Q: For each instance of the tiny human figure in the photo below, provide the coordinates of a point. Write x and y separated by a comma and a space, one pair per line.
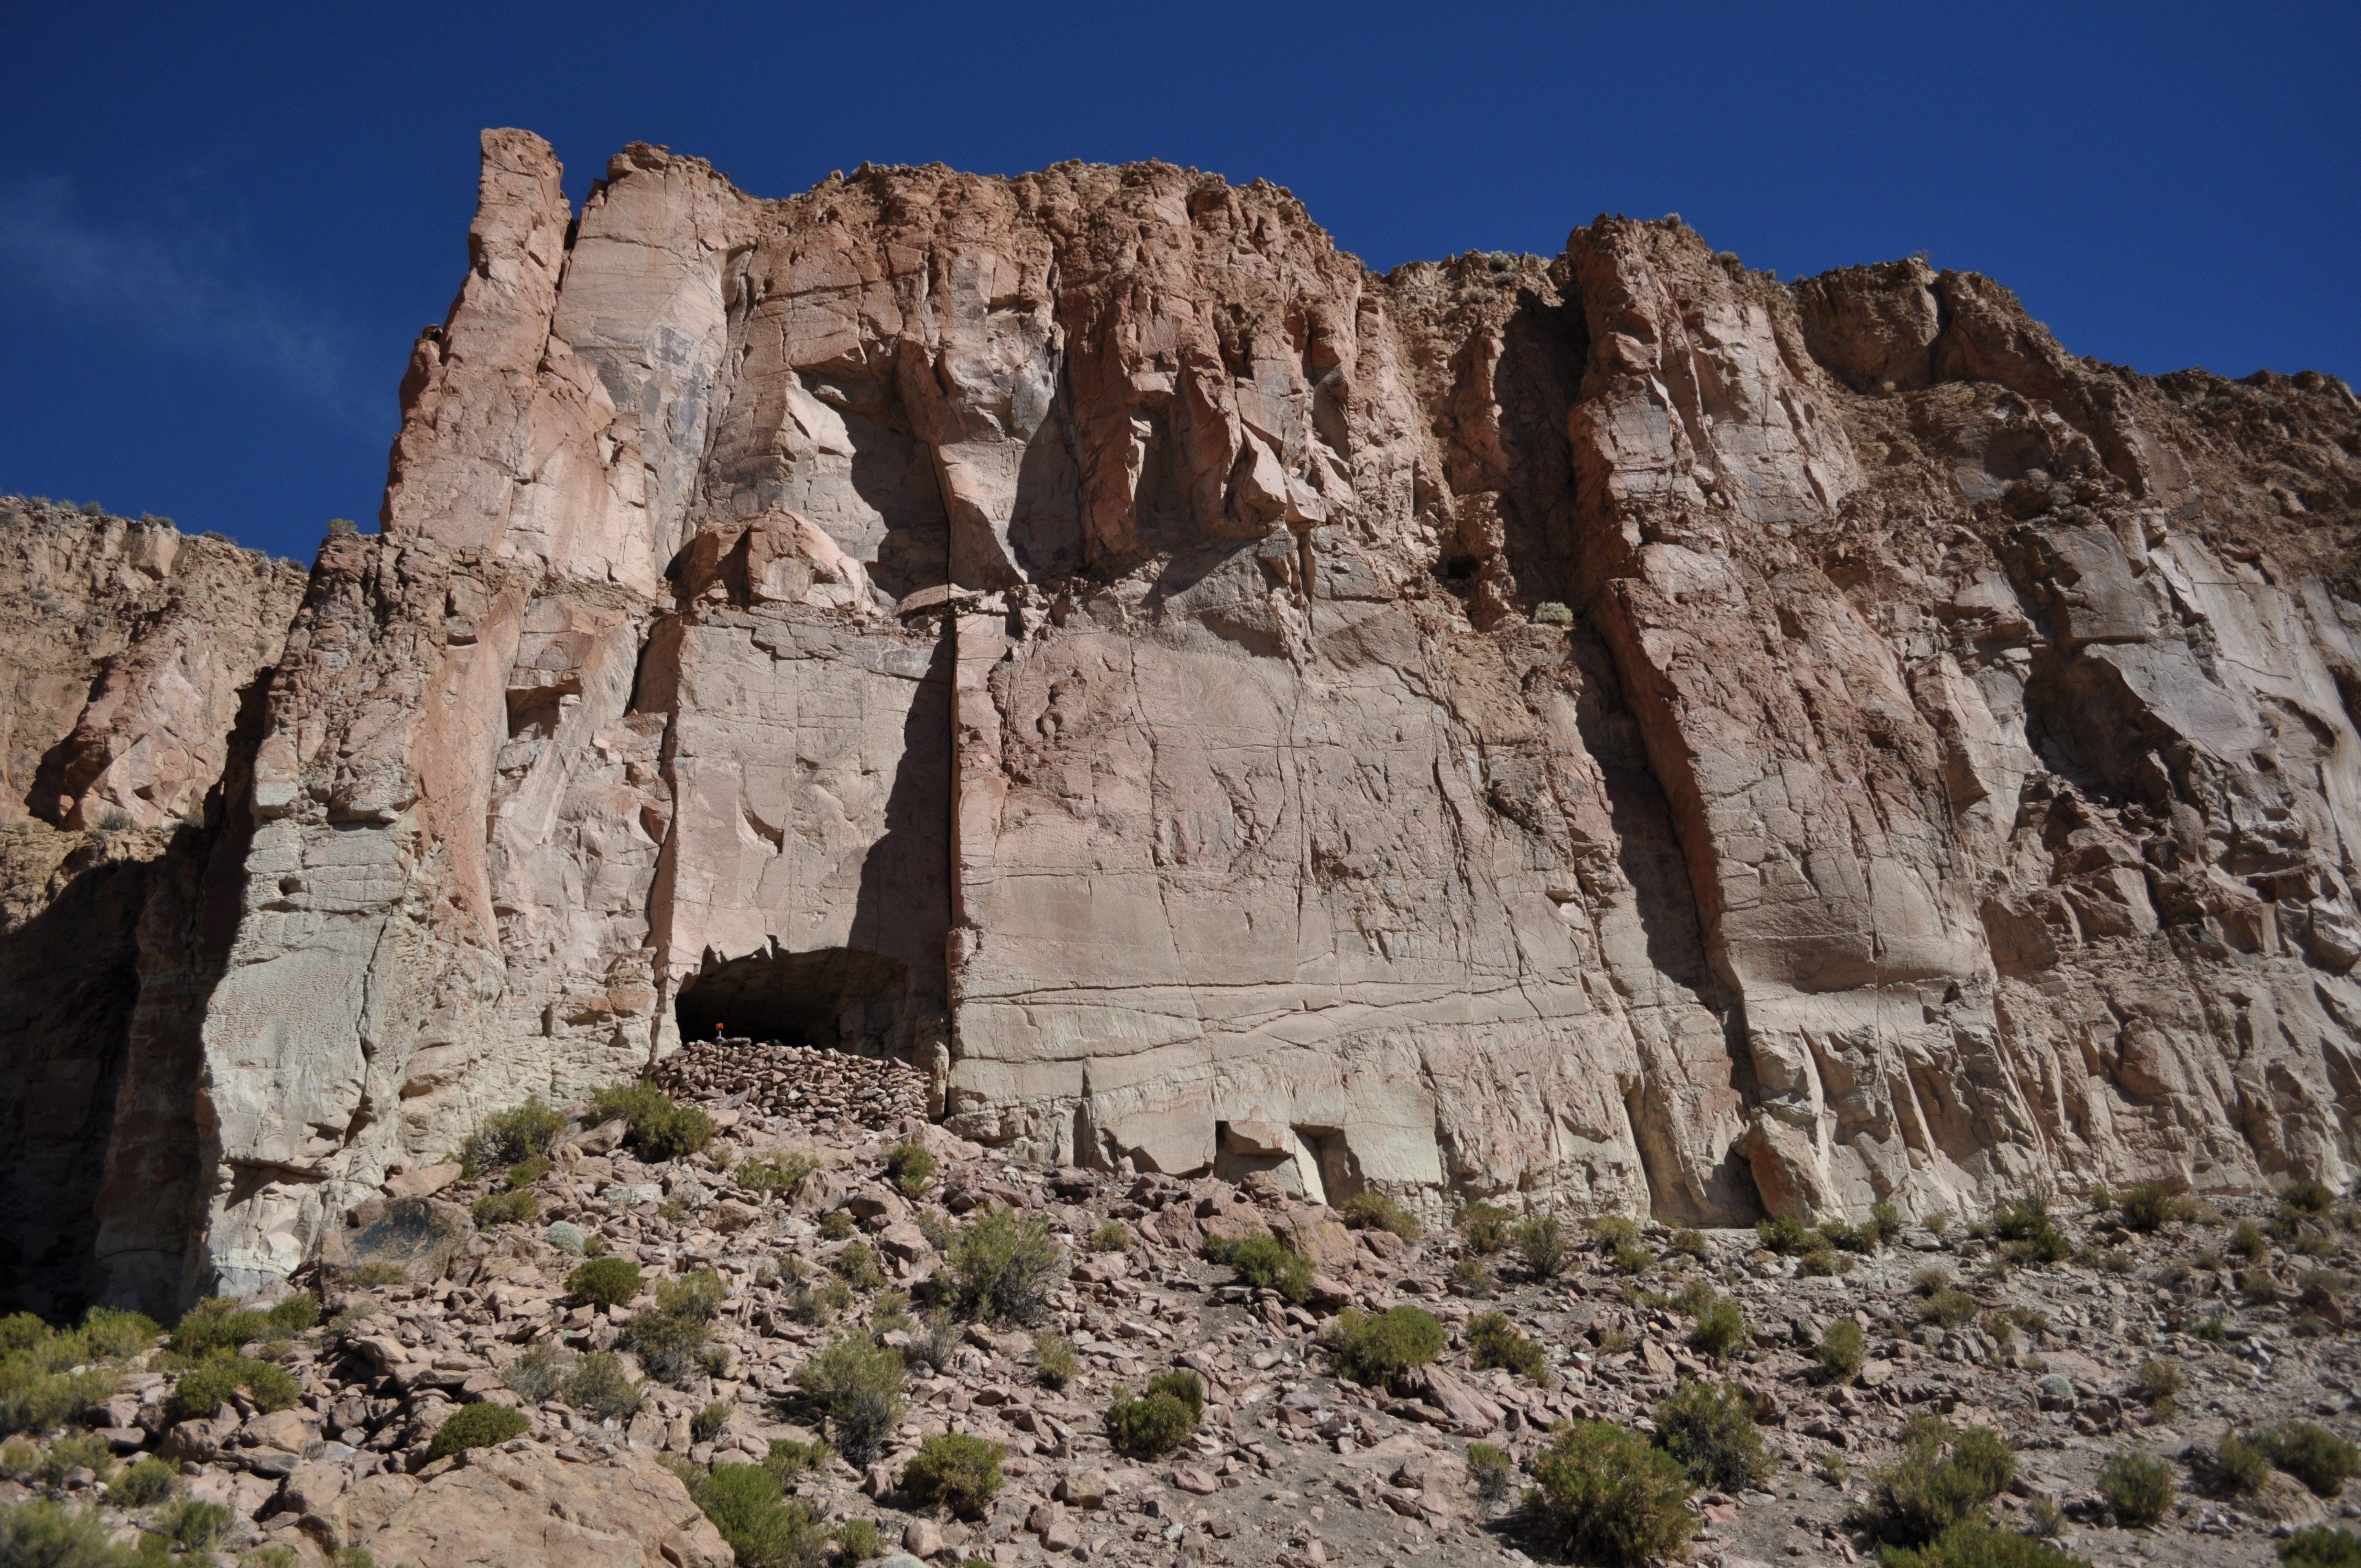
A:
716, 1028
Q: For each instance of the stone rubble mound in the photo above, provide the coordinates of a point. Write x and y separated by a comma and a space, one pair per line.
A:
804, 1085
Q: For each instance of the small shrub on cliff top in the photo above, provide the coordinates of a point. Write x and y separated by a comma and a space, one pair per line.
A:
1604, 1496
1378, 1348
1783, 1235
1540, 1241
1376, 1212
2149, 1206
511, 1136
484, 1425
1265, 1263
656, 1127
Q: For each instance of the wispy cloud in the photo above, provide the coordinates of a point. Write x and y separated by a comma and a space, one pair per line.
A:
182, 287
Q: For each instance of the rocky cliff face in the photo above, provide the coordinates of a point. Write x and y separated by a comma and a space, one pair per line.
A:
1619, 730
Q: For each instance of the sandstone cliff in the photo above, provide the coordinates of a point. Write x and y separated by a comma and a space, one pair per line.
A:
1619, 729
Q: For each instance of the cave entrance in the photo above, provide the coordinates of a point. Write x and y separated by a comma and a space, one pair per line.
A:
843, 997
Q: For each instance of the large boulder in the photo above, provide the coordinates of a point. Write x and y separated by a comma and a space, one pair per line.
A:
523, 1508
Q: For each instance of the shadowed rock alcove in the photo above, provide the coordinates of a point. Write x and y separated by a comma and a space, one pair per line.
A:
843, 997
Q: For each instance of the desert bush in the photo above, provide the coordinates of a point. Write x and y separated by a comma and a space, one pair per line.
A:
1493, 1340
144, 1481
1485, 1227
1160, 1420
1541, 1244
1266, 1263
2137, 1487
1841, 1350
1489, 1473
2318, 1546
77, 1450
1113, 1236
1470, 1277
1612, 1230
1928, 1281
33, 1398
2149, 1206
2231, 1468
1720, 1327
193, 1526
525, 1172
1005, 1265
1376, 1212
790, 1459
605, 1281
2259, 1289
1053, 1360
42, 1534
1378, 1348
1975, 1545
765, 1527
2307, 1199
2249, 1242
1602, 1495
1783, 1235
482, 1425
774, 1176
537, 1373
2157, 1384
1689, 1243
2323, 1460
507, 1137
861, 1386
111, 1333
2027, 1232
935, 1343
1948, 1308
1821, 1260
506, 1209
1711, 1432
858, 1267
218, 1323
1940, 1480
601, 1389
670, 1345
710, 1421
212, 1381
655, 1126
858, 1541
835, 1225
911, 1168
1862, 1240
960, 1472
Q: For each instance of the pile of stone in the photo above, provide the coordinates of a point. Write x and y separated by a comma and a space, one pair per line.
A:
808, 1085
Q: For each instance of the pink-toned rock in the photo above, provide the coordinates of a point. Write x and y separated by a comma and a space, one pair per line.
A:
423, 1183
529, 1509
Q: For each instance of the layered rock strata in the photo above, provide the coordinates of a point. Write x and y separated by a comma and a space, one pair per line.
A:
1619, 729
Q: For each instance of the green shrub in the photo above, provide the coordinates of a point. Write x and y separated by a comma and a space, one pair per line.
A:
1632, 1258
605, 1281
42, 1534
835, 1225
1940, 1480
697, 1295
1485, 1227
507, 1209
1377, 1348
1783, 1235
217, 1324
2149, 1206
765, 1527
670, 1345
2259, 1289
1841, 1350
1541, 1243
1886, 1221
1821, 1260
1720, 1327
2317, 1546
1005, 1265
482, 1425
2137, 1487
1862, 1240
2307, 1199
858, 1541
525, 1172
1493, 1340
1113, 1236
911, 1167
960, 1472
212, 1381
1690, 1244
1470, 1277
1949, 1308
1612, 1230
2027, 1232
2249, 1242
1376, 1212
656, 1127
1981, 1546
1053, 1359
2157, 1384
1182, 1385
859, 1384
113, 1334
537, 1373
2323, 1460
77, 1450
601, 1389
1490, 1472
1267, 1264
774, 1176
710, 1423
1711, 1432
1603, 1495
34, 1398
527, 1131
790, 1459
193, 1526
2232, 1468
1150, 1426
144, 1481
858, 1267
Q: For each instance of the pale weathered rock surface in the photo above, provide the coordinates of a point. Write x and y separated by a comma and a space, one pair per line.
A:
1619, 730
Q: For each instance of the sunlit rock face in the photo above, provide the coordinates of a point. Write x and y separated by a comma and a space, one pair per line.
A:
1617, 730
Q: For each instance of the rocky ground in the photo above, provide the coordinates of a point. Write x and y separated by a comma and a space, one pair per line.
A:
1292, 1466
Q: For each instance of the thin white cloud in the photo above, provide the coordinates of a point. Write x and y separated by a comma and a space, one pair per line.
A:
178, 286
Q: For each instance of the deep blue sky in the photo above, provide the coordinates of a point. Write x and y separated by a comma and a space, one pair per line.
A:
220, 227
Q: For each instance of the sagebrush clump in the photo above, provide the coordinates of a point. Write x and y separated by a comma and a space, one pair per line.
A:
656, 1126
1005, 1265
960, 1472
1603, 1495
1379, 1348
1162, 1418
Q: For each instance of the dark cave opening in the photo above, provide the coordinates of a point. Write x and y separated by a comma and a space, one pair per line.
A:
843, 997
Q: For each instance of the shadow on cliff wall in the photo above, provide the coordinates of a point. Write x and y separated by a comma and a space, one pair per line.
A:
903, 907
